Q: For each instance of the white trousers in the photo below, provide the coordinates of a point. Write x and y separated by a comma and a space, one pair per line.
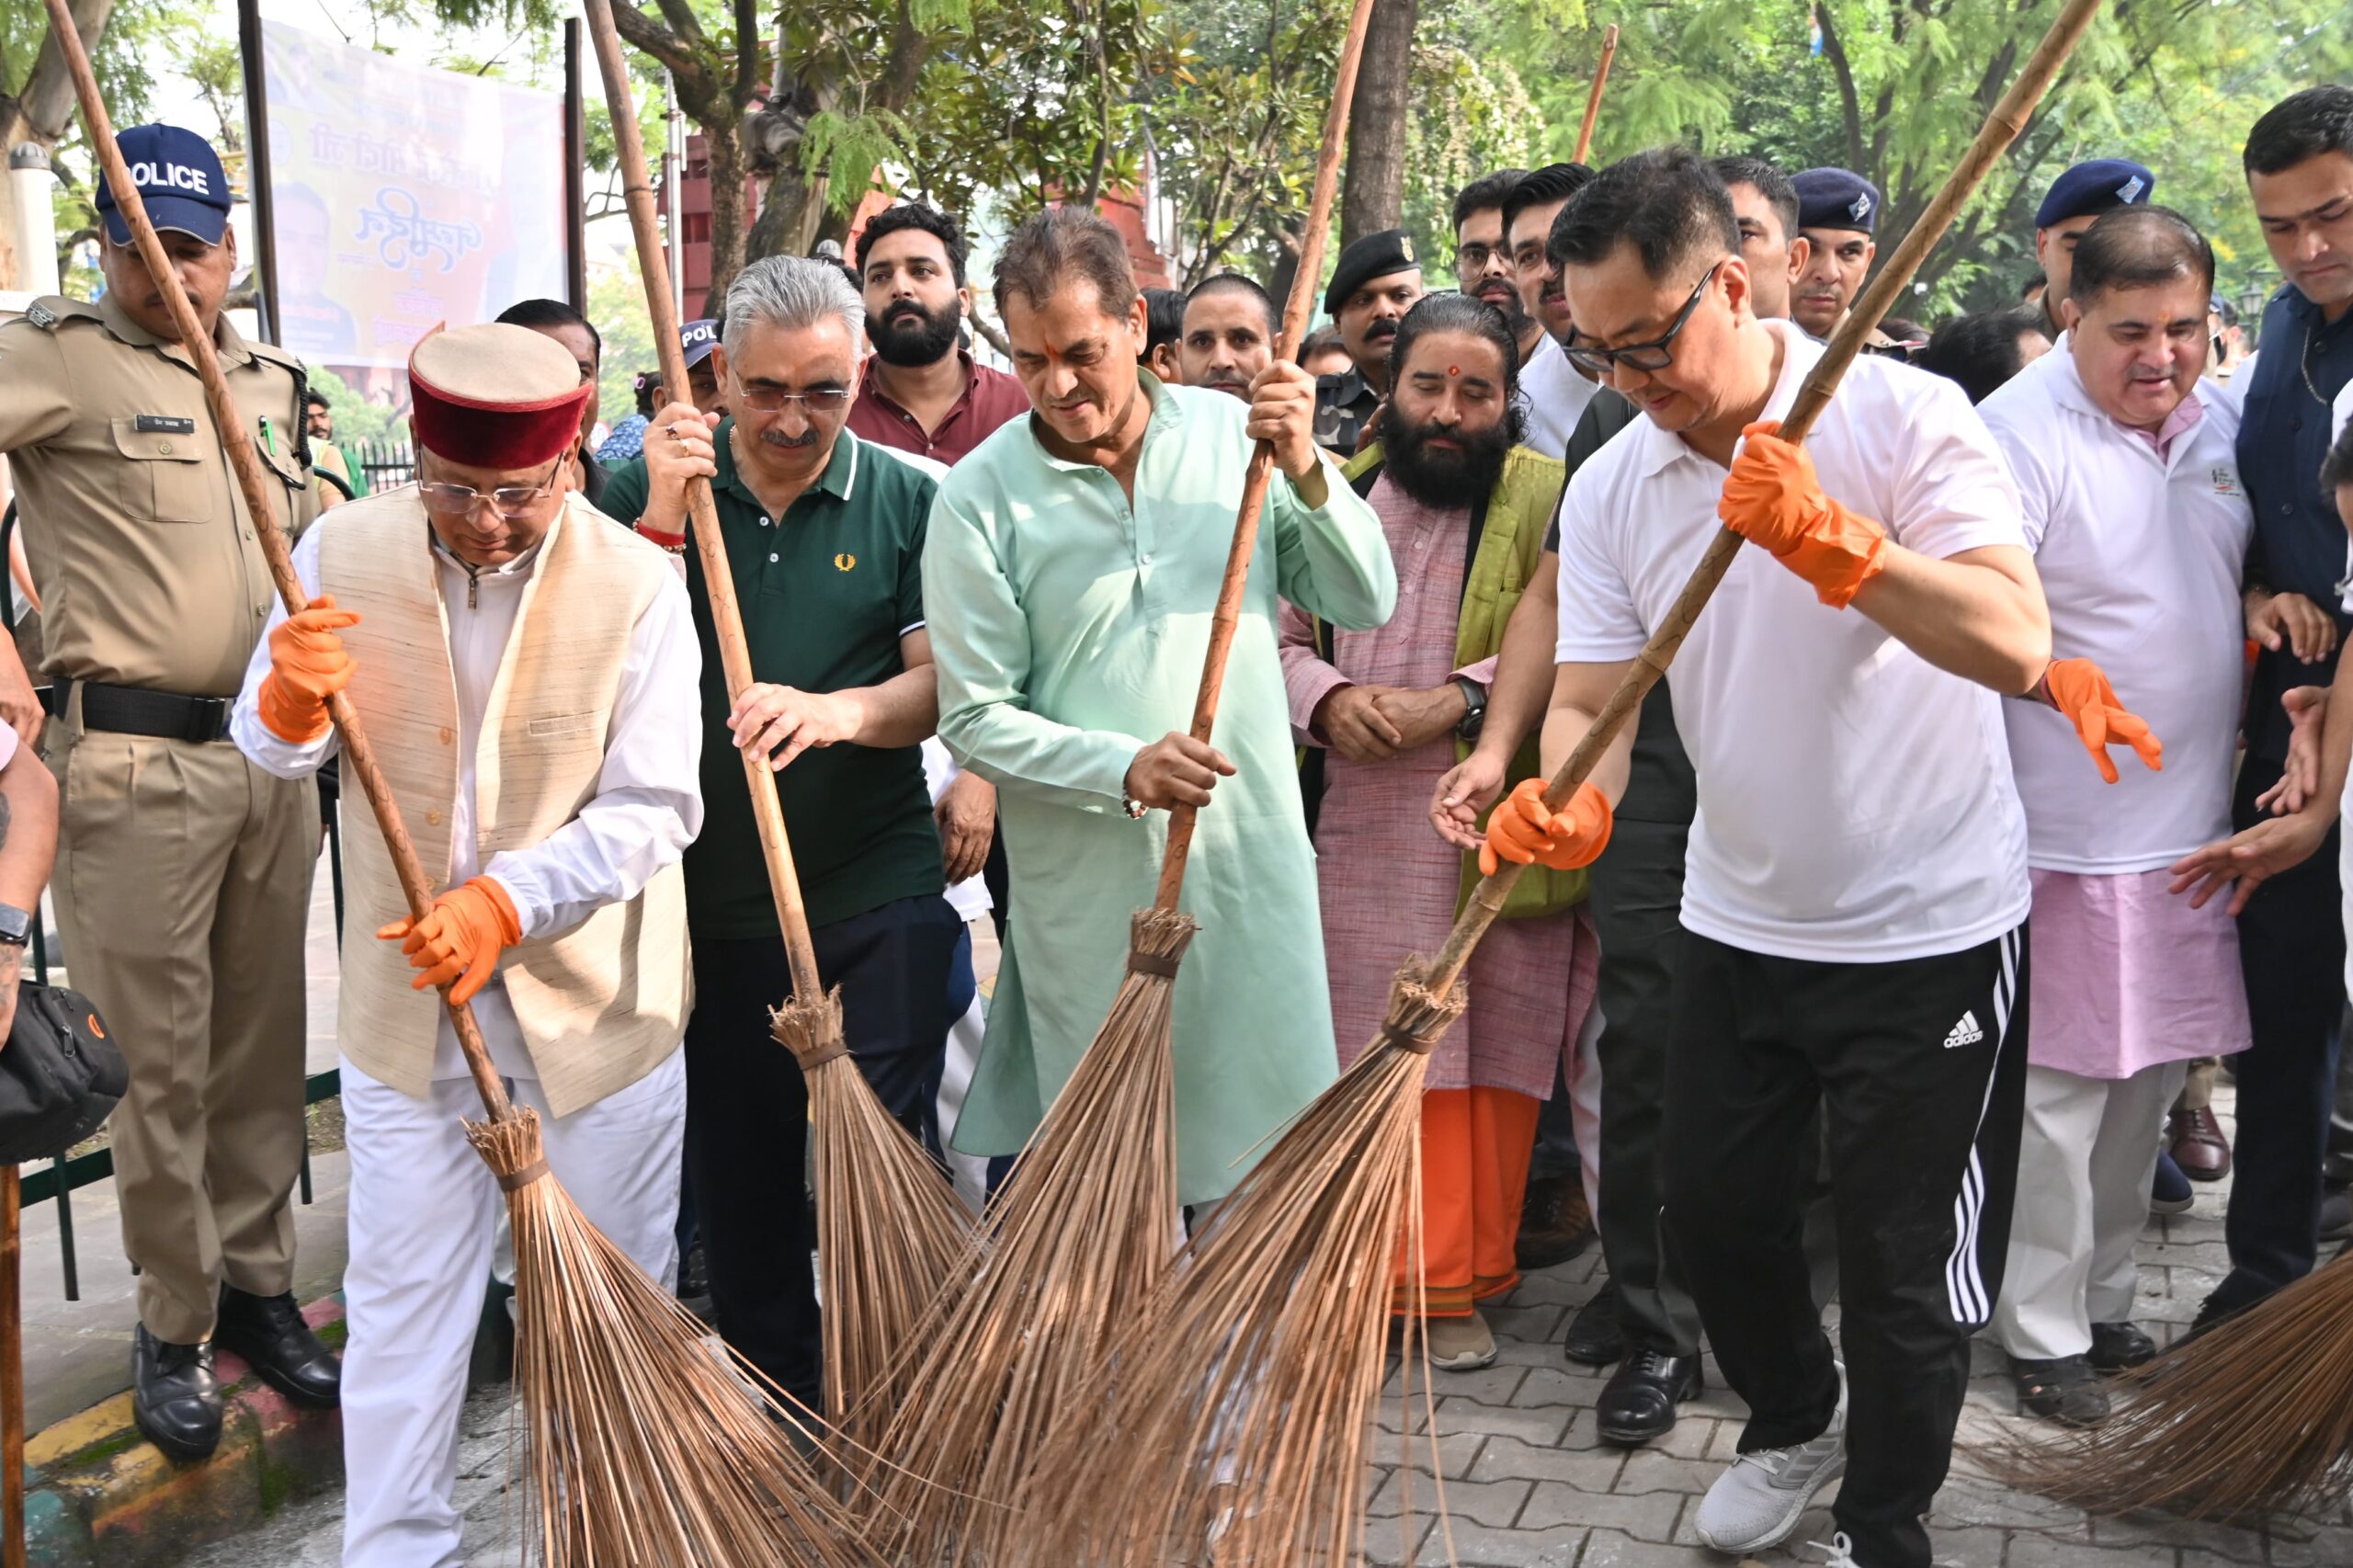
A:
2085, 1157
969, 1171
424, 1210
1584, 1082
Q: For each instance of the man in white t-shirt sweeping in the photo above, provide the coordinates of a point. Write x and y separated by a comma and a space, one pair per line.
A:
1855, 897
2129, 477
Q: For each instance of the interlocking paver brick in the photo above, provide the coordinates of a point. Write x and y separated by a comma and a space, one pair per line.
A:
2032, 1551
1588, 1470
1650, 1516
1494, 1502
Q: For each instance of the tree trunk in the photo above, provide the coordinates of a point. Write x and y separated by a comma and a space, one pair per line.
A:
1374, 199
44, 113
729, 221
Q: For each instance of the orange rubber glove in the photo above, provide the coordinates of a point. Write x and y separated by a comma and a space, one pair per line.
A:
1521, 829
1773, 499
307, 664
2079, 688
457, 942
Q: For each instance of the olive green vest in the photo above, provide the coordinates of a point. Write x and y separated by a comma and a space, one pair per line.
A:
1519, 513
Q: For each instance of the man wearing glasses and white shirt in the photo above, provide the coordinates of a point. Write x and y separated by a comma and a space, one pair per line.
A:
825, 534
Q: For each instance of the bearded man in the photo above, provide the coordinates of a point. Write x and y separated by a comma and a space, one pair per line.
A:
921, 393
1464, 507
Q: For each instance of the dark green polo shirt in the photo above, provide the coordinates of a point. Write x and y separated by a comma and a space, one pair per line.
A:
826, 591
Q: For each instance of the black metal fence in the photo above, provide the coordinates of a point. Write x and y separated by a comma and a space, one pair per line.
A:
385, 465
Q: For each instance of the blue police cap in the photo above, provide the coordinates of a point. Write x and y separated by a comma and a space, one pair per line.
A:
2089, 189
178, 175
1837, 198
697, 339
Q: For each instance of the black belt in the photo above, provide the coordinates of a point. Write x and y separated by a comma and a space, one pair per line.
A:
135, 711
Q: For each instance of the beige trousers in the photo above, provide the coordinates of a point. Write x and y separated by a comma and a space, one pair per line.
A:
182, 888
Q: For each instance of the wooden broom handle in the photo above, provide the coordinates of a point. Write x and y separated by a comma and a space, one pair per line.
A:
710, 546
1260, 473
2001, 128
1593, 98
359, 756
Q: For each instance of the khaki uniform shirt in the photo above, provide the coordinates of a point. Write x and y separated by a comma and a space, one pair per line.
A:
149, 570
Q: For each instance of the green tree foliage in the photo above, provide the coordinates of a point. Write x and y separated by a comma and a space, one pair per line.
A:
1899, 87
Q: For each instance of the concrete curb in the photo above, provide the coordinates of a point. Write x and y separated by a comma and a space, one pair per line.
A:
98, 1493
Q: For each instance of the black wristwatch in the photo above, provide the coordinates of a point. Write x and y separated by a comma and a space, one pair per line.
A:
1475, 709
15, 925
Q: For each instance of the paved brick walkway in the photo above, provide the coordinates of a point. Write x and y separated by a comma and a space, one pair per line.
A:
1529, 1484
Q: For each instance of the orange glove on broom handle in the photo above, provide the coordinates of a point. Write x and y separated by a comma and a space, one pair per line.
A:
1524, 829
1772, 498
307, 665
2079, 688
457, 942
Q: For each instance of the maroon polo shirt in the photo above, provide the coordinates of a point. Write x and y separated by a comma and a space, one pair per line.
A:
991, 398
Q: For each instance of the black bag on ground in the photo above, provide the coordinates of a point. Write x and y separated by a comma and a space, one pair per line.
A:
60, 1075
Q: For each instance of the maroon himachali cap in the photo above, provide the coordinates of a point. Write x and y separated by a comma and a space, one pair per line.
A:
495, 396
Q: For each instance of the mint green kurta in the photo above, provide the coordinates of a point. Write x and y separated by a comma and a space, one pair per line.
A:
1069, 630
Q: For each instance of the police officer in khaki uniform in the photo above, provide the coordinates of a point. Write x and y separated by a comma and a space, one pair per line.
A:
183, 874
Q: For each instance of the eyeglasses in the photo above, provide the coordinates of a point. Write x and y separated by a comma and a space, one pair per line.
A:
1473, 257
509, 501
769, 399
1654, 356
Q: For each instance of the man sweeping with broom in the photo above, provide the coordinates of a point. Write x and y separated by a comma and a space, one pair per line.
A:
1854, 911
528, 675
1070, 570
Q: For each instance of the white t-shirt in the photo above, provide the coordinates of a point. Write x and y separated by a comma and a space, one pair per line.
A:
2140, 557
1855, 802
1557, 397
970, 897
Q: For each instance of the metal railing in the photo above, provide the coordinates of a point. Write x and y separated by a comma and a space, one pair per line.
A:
387, 465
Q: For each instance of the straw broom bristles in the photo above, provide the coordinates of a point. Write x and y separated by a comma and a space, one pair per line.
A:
2253, 1417
1252, 1379
892, 1236
1068, 1252
649, 1445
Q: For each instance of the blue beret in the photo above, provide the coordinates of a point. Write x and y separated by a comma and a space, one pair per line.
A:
2088, 190
1837, 198
1367, 257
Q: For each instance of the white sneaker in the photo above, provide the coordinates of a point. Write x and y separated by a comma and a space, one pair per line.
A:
1759, 1500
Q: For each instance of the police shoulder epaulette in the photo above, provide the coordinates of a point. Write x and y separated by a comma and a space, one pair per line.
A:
50, 310
276, 355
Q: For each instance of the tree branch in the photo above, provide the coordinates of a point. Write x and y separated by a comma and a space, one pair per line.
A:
1851, 103
747, 51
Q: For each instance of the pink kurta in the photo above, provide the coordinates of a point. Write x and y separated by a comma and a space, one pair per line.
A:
1388, 881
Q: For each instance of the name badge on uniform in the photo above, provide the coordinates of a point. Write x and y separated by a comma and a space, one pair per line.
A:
164, 425
2226, 481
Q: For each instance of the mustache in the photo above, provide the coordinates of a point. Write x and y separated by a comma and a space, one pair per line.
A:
1225, 379
905, 310
779, 438
1380, 330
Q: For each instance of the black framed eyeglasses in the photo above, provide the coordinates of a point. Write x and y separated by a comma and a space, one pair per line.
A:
769, 399
1656, 355
1474, 256
509, 501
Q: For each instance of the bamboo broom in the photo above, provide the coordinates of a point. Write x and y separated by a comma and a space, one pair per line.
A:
892, 1233
2252, 1418
1593, 98
1238, 1401
1088, 1224
646, 1447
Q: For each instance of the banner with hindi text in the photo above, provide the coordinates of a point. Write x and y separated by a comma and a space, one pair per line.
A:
403, 197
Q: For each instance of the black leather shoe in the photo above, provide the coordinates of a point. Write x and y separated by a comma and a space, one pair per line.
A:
269, 1333
2064, 1389
1595, 1337
2120, 1348
1554, 1223
173, 1396
1638, 1402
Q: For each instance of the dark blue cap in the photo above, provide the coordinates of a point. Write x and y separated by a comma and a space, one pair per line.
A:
697, 339
2089, 189
1367, 257
178, 177
1837, 198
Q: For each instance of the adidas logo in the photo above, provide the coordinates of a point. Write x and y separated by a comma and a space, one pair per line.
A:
1965, 1032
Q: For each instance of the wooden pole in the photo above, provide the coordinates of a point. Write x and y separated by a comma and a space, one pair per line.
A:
2001, 128
1593, 98
710, 546
1297, 309
12, 1375
359, 756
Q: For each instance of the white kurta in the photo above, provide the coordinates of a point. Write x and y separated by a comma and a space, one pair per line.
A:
424, 1207
1557, 397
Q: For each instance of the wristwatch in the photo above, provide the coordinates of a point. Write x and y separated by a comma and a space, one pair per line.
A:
1475, 709
15, 925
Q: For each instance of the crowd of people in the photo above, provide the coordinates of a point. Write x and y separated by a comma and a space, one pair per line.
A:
2019, 712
